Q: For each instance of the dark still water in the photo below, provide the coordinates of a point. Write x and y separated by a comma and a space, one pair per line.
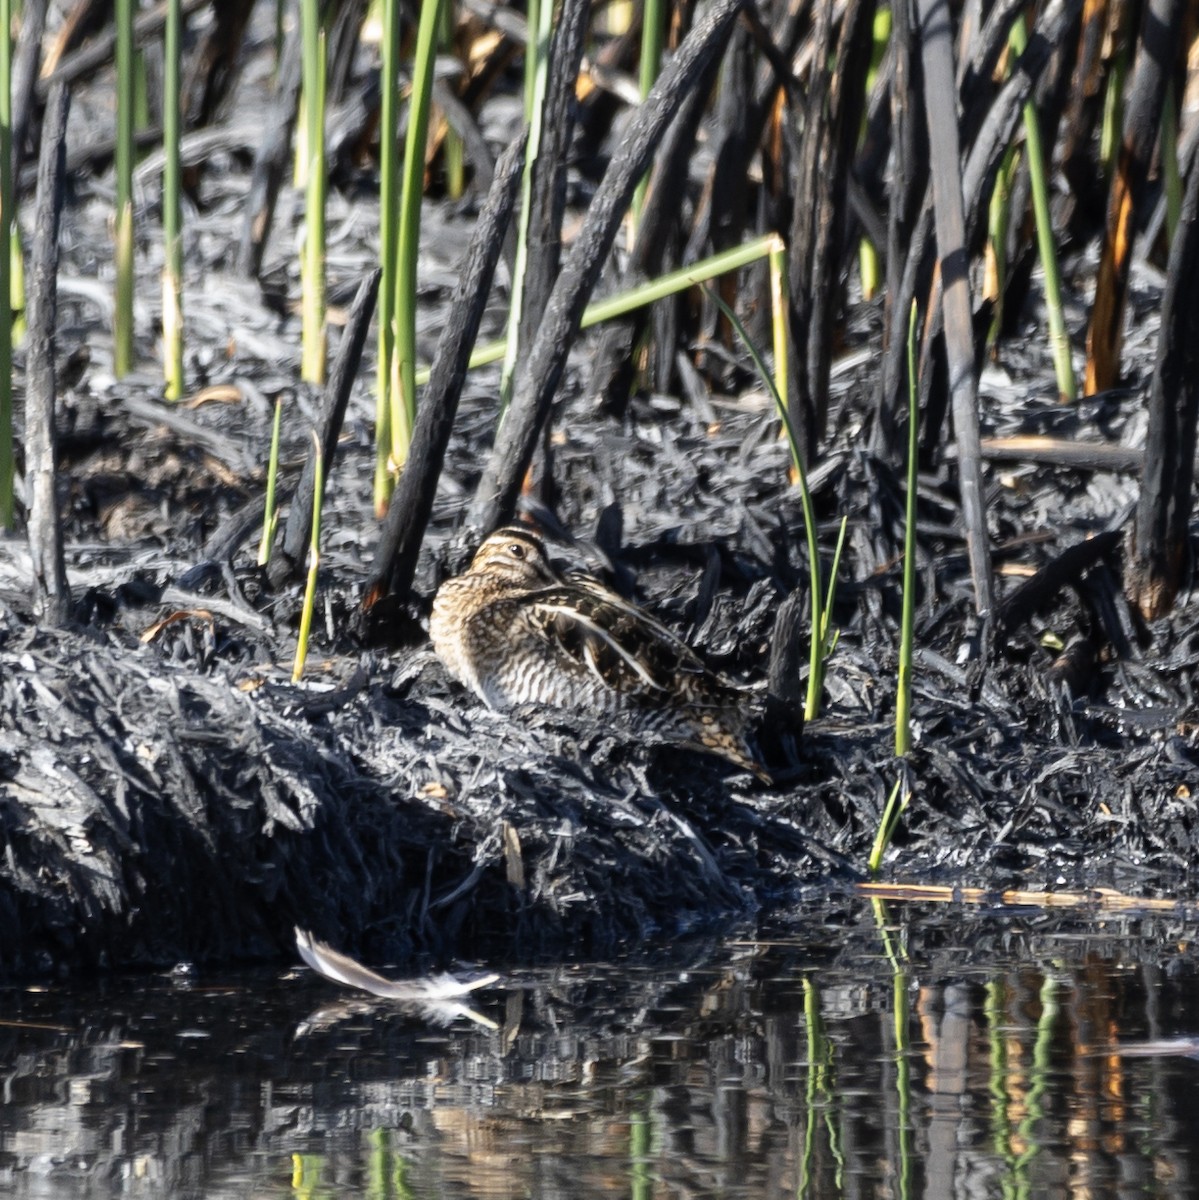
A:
934, 1053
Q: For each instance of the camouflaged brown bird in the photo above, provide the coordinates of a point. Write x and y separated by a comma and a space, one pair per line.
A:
515, 632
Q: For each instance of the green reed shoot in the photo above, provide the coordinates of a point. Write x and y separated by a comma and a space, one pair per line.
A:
16, 282
312, 269
1039, 1074
779, 326
122, 353
537, 62
141, 91
307, 1171
903, 697
1113, 110
641, 1150
270, 516
998, 1032
402, 376
816, 1052
452, 147
895, 806
653, 29
823, 639
999, 215
829, 635
299, 170
172, 207
1059, 337
888, 823
16, 286
869, 264
901, 1024
7, 225
819, 1090
388, 1169
389, 205
314, 560
645, 293
16, 279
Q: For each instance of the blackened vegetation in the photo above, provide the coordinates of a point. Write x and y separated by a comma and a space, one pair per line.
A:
412, 502
538, 378
166, 792
288, 557
51, 592
1158, 541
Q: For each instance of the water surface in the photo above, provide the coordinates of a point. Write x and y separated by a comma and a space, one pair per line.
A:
934, 1053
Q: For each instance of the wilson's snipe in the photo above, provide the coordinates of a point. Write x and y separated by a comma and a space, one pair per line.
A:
516, 632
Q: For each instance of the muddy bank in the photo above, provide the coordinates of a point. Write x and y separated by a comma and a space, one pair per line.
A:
154, 814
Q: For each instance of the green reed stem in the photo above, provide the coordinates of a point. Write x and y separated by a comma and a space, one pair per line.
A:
815, 1057
314, 560
387, 1176
900, 984
1039, 1076
829, 636
897, 803
999, 216
820, 1092
307, 1171
822, 640
903, 692
7, 230
403, 372
869, 261
1113, 111
646, 293
299, 174
389, 234
653, 31
141, 93
452, 147
126, 111
901, 1017
16, 285
1059, 337
641, 1128
537, 62
312, 272
172, 207
996, 1021
270, 516
779, 324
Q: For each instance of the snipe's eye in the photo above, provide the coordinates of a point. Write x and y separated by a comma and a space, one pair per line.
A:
517, 551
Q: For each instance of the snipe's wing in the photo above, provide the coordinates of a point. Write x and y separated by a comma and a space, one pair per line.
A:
622, 646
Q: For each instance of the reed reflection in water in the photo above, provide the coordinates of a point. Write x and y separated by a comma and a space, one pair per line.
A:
902, 1052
